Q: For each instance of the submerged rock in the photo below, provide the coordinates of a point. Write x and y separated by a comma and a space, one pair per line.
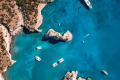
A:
67, 36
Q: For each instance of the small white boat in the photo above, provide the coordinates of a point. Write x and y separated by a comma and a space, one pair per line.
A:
88, 34
39, 47
103, 71
59, 24
37, 58
55, 64
82, 42
88, 3
60, 60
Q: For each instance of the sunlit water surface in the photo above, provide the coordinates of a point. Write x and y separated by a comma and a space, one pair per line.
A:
100, 50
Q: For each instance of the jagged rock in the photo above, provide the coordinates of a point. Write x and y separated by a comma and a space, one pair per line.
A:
80, 78
50, 0
53, 34
70, 75
46, 1
67, 36
89, 78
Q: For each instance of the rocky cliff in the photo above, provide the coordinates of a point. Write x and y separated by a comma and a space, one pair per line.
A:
12, 21
72, 76
28, 14
67, 36
5, 57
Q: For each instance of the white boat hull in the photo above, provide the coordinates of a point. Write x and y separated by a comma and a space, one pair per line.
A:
88, 3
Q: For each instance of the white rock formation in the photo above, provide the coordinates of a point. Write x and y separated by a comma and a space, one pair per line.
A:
67, 36
80, 78
72, 76
89, 78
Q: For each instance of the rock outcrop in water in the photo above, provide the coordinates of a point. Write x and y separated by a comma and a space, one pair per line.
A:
67, 36
72, 76
89, 78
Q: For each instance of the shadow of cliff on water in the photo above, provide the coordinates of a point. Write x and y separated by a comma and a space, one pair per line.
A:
51, 40
26, 31
84, 4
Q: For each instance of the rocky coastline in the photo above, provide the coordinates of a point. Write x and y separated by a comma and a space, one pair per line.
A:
9, 32
5, 55
40, 17
8, 35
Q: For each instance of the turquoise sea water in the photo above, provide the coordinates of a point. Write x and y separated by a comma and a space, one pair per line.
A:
100, 51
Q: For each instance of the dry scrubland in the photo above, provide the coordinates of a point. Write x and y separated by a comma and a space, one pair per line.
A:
4, 54
29, 9
15, 14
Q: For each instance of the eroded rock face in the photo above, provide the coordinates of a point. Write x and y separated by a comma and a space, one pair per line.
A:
80, 78
72, 76
67, 36
89, 78
50, 0
46, 1
5, 57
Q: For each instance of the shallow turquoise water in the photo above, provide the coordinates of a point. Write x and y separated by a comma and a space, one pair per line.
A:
99, 52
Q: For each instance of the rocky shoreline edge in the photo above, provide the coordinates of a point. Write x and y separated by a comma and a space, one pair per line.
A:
11, 34
51, 33
7, 39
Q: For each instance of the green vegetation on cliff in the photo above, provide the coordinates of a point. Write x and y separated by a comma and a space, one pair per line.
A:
3, 48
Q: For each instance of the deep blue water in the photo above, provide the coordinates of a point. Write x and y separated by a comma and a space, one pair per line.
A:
100, 51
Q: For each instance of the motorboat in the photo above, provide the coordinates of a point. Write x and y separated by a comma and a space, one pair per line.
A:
37, 58
87, 34
55, 64
88, 3
60, 60
39, 47
104, 72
